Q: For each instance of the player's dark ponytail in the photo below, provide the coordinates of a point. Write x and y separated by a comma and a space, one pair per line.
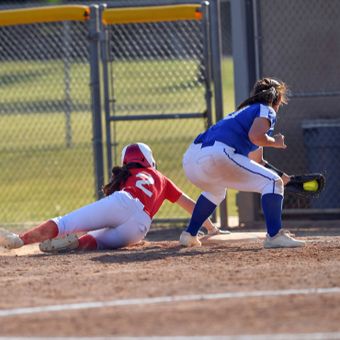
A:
267, 91
119, 176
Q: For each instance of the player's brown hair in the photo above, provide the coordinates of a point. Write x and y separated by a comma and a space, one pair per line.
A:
119, 176
268, 91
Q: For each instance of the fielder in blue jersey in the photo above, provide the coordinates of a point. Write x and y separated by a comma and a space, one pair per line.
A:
230, 155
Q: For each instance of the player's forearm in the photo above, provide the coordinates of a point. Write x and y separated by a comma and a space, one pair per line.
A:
285, 178
263, 140
257, 156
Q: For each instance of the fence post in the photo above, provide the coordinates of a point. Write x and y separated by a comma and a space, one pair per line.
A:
216, 50
244, 78
105, 58
243, 48
67, 83
207, 61
94, 37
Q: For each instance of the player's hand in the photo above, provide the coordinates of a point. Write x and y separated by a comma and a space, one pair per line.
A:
285, 178
279, 141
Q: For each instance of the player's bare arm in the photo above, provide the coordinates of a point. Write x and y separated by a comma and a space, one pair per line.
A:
257, 156
258, 134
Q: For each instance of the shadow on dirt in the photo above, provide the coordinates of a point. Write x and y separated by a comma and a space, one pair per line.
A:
155, 253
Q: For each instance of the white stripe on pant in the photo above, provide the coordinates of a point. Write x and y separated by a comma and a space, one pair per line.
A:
216, 168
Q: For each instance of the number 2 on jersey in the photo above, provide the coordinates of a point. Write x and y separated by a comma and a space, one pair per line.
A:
145, 179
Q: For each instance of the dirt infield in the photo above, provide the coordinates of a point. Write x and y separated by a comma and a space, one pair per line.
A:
260, 291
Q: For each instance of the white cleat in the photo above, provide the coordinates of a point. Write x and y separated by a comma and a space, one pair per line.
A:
187, 240
283, 239
58, 245
10, 240
217, 231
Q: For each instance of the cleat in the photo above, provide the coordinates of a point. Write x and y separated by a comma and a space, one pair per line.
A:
283, 239
10, 240
201, 233
217, 231
61, 244
187, 240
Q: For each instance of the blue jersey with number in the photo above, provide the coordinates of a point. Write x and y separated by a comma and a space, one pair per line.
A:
233, 129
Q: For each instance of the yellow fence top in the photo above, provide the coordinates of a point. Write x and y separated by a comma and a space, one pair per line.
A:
151, 14
44, 14
110, 16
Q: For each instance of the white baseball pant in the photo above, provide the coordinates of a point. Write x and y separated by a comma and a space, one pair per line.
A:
216, 168
114, 221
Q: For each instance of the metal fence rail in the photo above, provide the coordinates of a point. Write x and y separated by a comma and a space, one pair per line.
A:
155, 87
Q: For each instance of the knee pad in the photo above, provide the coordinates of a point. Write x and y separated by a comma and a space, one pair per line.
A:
215, 198
274, 186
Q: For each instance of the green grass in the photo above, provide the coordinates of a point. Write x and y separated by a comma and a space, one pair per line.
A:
41, 177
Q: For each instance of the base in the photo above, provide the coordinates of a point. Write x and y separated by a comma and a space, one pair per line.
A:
233, 236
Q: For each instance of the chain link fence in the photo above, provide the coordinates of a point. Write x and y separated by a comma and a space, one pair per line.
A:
46, 146
46, 164
157, 70
300, 44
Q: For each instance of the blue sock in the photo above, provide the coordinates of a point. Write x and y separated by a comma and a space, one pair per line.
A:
272, 210
203, 209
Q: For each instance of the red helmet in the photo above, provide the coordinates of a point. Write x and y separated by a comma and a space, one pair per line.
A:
138, 153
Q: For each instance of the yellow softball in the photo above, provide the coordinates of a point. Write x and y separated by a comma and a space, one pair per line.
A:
311, 185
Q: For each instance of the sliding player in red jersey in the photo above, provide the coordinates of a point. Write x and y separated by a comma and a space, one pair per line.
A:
123, 217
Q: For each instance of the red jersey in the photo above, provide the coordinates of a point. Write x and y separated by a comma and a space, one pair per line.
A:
151, 188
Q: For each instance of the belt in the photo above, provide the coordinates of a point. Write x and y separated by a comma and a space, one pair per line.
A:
132, 194
147, 211
211, 143
205, 144
142, 206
